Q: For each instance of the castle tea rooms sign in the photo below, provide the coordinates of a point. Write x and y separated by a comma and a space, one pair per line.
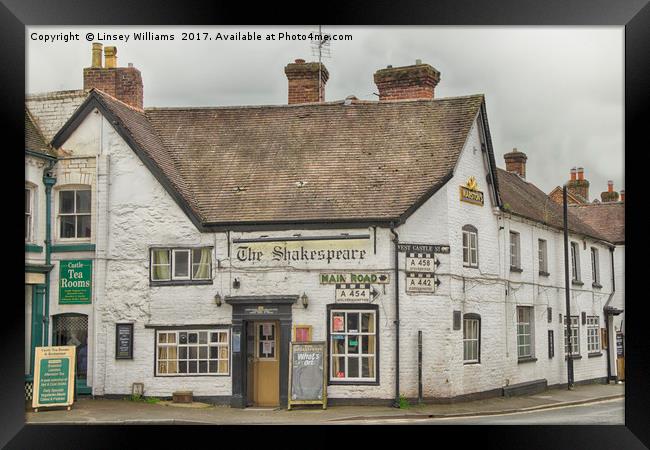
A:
75, 281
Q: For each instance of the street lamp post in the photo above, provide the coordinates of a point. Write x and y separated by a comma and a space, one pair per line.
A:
567, 289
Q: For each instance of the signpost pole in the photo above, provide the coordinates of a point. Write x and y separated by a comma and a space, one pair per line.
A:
567, 290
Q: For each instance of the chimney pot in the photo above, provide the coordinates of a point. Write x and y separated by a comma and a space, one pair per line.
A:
581, 173
110, 57
407, 82
300, 61
610, 186
96, 55
579, 187
573, 174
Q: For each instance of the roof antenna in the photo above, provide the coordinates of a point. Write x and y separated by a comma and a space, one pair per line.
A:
320, 46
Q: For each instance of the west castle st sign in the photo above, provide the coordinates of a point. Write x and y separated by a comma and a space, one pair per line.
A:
326, 251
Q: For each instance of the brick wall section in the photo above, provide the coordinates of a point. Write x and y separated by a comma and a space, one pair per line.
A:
304, 82
123, 83
409, 82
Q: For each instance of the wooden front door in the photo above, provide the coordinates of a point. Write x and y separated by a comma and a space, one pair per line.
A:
266, 364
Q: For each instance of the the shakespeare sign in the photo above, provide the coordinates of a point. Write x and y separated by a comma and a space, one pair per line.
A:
296, 251
75, 281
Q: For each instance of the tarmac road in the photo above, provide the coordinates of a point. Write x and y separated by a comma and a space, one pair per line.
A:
609, 412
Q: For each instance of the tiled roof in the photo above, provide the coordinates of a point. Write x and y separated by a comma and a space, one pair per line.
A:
34, 140
524, 199
314, 162
606, 218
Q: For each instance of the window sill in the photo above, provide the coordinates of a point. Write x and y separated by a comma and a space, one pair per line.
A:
62, 248
544, 274
566, 357
526, 359
594, 354
471, 363
597, 285
577, 283
193, 375
353, 383
180, 283
33, 248
467, 266
516, 269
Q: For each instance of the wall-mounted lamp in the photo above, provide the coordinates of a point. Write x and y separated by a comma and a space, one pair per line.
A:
305, 300
217, 299
236, 283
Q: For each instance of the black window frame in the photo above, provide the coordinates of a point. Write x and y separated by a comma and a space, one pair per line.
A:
353, 306
470, 229
184, 281
477, 317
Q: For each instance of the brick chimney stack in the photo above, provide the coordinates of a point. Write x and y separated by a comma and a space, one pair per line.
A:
516, 162
610, 195
408, 82
304, 81
623, 195
123, 83
579, 186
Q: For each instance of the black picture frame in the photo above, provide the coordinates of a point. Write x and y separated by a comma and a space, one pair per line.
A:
633, 14
119, 354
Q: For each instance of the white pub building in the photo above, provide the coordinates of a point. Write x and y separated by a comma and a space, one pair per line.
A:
220, 234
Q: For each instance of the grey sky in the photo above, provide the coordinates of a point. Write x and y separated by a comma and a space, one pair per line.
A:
555, 93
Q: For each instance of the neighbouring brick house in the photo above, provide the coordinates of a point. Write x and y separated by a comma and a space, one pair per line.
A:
220, 233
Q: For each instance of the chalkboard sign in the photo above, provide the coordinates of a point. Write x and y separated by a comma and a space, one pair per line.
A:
308, 366
54, 376
124, 341
620, 349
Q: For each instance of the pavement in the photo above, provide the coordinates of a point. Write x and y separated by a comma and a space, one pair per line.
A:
102, 411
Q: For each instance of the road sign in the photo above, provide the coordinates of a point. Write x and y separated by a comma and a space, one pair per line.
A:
352, 293
420, 262
421, 283
424, 248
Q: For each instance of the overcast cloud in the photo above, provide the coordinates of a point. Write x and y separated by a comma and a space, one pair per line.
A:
555, 93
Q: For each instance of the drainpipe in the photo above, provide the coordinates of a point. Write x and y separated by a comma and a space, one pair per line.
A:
396, 241
49, 180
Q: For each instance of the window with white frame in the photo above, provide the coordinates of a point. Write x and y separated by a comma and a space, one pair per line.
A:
192, 352
515, 258
575, 336
169, 264
595, 266
470, 246
593, 334
353, 345
542, 255
29, 200
74, 213
471, 338
525, 325
575, 261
